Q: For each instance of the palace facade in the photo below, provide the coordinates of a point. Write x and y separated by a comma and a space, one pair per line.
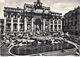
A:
1, 26
71, 22
32, 18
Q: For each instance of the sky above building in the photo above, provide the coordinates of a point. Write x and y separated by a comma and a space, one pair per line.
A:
61, 6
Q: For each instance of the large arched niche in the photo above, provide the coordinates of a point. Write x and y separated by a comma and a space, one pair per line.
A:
37, 23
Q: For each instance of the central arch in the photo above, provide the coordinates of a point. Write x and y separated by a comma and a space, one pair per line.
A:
38, 23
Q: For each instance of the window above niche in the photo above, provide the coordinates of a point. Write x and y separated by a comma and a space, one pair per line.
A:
8, 26
55, 22
21, 26
51, 21
59, 22
5, 14
15, 26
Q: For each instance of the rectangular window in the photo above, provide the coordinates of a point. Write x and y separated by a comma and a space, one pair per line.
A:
59, 26
71, 23
59, 22
15, 26
55, 22
55, 26
51, 21
75, 22
51, 27
8, 20
21, 26
8, 26
75, 17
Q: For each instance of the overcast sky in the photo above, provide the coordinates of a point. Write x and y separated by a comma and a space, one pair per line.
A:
61, 6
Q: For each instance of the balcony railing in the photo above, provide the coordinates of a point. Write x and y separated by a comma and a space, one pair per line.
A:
8, 22
21, 29
14, 20
8, 29
14, 29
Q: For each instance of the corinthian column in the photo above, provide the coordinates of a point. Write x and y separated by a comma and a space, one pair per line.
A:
18, 26
25, 24
44, 24
32, 24
53, 25
57, 26
61, 24
49, 25
41, 26
5, 24
12, 23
